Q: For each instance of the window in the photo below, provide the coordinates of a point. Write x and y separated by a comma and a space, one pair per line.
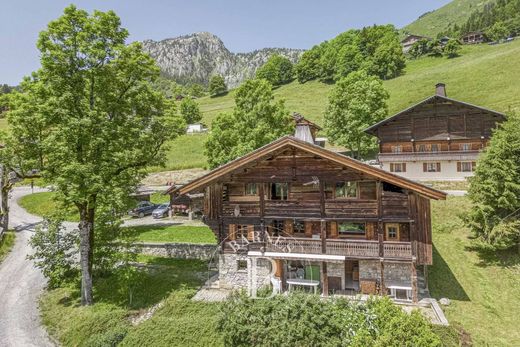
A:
350, 229
251, 189
299, 227
466, 166
277, 228
392, 231
431, 167
422, 148
241, 232
346, 190
465, 147
279, 191
435, 147
397, 149
397, 167
241, 265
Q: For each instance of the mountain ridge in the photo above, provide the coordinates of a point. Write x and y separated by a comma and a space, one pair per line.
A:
194, 58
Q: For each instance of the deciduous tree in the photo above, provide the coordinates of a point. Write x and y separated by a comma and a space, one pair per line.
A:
356, 102
190, 111
217, 86
277, 70
90, 119
257, 119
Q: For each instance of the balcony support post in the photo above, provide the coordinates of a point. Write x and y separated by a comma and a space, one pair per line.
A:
382, 284
380, 235
414, 281
324, 279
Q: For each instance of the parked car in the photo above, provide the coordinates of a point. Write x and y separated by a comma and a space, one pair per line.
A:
143, 208
161, 211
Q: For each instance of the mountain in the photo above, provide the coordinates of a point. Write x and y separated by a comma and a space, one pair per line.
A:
196, 57
434, 22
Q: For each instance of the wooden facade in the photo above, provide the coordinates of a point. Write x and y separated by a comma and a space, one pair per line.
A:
438, 130
294, 199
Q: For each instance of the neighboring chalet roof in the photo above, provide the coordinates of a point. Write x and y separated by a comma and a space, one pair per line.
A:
411, 36
299, 119
372, 129
340, 159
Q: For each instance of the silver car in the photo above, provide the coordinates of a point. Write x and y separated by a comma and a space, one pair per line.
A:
161, 211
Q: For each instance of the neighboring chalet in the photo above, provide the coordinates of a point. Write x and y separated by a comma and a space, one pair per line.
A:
436, 139
325, 221
473, 37
409, 40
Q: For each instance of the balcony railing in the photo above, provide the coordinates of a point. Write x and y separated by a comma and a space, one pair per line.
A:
347, 248
439, 155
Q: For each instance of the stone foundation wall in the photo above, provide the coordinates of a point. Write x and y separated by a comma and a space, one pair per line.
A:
230, 277
179, 250
394, 272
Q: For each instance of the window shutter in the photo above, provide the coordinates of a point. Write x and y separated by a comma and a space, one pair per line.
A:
334, 230
232, 232
473, 165
459, 166
424, 167
250, 232
308, 229
288, 227
404, 167
391, 167
438, 167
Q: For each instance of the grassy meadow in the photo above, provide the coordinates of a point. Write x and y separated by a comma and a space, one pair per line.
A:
173, 233
43, 204
482, 283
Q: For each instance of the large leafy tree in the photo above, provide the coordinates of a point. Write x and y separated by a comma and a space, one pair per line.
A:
277, 70
257, 119
90, 119
217, 86
356, 102
495, 188
190, 111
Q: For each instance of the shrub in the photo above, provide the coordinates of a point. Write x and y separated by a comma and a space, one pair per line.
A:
305, 320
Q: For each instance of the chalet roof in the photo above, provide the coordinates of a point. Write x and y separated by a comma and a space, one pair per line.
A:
340, 159
299, 119
408, 37
372, 129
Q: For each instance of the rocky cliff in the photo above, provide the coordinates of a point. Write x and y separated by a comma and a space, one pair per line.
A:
196, 57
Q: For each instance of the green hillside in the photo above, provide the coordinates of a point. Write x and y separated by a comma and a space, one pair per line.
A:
455, 12
483, 75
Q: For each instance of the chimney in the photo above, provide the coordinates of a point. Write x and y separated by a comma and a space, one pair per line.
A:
303, 129
440, 89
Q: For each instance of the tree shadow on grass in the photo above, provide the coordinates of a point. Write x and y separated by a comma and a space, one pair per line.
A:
442, 282
491, 256
153, 284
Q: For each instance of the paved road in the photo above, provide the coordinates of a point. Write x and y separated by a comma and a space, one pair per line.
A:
21, 284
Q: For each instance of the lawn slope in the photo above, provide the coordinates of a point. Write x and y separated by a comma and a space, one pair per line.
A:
455, 12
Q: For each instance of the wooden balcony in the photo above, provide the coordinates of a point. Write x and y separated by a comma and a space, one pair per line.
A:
426, 156
357, 249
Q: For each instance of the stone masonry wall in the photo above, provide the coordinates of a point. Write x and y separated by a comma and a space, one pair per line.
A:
394, 272
230, 277
179, 250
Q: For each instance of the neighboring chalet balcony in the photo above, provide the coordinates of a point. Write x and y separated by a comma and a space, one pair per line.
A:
350, 249
428, 156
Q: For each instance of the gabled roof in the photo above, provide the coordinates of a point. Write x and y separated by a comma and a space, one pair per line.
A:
412, 36
371, 129
337, 158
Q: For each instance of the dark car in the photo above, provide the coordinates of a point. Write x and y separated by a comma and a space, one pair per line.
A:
143, 208
161, 211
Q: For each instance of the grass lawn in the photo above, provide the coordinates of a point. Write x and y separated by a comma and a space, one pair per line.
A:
159, 198
174, 233
185, 152
6, 244
483, 284
42, 204
179, 322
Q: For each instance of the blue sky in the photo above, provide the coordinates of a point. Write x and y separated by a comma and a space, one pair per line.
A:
243, 25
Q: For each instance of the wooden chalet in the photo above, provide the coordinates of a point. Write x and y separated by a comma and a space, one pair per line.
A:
324, 220
473, 37
409, 40
437, 139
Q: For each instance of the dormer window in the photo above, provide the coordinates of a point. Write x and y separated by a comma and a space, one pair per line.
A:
465, 147
346, 190
397, 149
434, 147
